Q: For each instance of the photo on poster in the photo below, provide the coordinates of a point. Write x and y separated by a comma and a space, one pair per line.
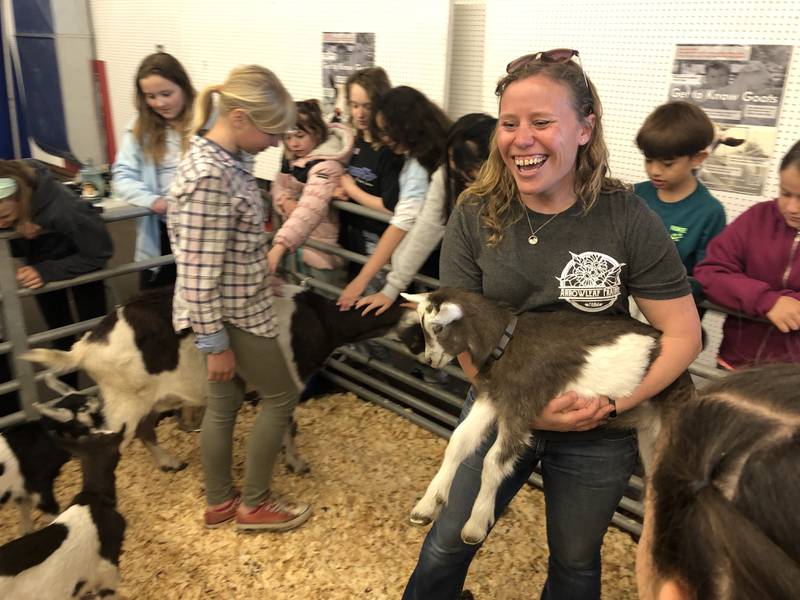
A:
740, 88
342, 53
744, 168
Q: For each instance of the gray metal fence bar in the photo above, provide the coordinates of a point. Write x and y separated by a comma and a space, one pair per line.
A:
53, 334
367, 394
15, 331
384, 387
403, 377
357, 209
102, 274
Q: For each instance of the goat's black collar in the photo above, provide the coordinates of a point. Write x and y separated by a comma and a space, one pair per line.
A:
508, 334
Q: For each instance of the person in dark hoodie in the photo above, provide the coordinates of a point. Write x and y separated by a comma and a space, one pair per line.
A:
61, 237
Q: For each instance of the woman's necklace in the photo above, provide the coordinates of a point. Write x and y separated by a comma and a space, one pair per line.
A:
533, 239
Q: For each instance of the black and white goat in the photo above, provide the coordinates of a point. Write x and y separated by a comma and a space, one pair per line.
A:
142, 366
78, 553
30, 461
523, 361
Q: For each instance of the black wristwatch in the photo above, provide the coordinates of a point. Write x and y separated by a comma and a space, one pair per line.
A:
613, 413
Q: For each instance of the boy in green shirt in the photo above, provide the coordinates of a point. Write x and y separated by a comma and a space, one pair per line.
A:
674, 140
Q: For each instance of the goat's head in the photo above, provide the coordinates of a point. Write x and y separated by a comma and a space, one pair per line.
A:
440, 319
74, 414
94, 442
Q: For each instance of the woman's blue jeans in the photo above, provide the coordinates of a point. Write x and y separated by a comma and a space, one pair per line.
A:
583, 483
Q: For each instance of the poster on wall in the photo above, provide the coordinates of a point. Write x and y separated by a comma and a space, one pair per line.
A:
740, 88
342, 53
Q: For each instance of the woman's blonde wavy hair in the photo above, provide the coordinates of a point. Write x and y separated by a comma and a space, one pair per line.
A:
495, 187
258, 92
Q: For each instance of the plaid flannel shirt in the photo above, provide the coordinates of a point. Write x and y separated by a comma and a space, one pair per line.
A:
215, 218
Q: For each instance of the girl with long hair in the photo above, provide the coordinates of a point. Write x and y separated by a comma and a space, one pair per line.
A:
216, 226
151, 148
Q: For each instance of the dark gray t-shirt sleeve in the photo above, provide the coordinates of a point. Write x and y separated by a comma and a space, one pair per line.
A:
458, 263
655, 270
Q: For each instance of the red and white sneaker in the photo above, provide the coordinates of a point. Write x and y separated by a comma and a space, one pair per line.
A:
274, 514
214, 517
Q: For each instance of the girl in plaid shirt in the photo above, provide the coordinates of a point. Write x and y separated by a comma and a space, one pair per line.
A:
215, 220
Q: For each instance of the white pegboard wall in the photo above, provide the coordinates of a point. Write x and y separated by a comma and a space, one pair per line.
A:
411, 43
627, 48
466, 69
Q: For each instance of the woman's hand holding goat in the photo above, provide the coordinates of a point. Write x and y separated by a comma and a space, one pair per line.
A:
570, 412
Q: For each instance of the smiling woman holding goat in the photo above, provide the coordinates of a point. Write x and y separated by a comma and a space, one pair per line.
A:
545, 228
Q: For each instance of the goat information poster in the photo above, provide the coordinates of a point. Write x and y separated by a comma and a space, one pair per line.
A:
740, 88
342, 53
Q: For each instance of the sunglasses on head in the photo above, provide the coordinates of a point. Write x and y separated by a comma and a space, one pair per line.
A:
558, 55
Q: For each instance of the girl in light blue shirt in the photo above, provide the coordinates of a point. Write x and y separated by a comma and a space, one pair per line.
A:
151, 149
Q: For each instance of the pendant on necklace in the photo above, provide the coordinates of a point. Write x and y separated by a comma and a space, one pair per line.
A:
533, 240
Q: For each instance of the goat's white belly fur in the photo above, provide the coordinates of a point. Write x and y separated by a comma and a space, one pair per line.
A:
77, 558
11, 479
616, 369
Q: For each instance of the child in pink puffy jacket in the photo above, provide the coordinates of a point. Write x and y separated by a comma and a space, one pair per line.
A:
315, 157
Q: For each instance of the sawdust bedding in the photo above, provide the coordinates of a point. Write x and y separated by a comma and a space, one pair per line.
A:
368, 466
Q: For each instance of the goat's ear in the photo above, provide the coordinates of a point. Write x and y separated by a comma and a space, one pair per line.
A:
415, 298
58, 386
448, 312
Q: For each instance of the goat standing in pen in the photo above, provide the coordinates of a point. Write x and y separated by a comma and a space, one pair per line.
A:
142, 366
524, 361
78, 553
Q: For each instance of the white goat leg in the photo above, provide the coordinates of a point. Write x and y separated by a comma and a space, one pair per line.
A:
494, 472
107, 580
465, 440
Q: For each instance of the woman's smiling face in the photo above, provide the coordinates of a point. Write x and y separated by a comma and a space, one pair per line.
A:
538, 136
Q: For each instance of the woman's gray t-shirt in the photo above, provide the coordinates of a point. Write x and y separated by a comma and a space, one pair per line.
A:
590, 262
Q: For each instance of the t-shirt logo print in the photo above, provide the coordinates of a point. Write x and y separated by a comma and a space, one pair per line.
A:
590, 281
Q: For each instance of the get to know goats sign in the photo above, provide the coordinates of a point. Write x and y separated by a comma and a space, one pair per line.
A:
740, 88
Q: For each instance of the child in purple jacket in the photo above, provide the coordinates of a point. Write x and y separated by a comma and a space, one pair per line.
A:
753, 267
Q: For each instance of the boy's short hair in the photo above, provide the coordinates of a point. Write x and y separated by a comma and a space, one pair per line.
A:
675, 129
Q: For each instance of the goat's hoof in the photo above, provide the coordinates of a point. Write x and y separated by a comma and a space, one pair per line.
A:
472, 535
174, 468
298, 468
472, 541
419, 520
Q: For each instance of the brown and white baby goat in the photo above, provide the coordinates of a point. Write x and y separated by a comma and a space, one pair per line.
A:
523, 361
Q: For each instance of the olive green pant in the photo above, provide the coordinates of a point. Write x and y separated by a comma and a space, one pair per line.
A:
259, 362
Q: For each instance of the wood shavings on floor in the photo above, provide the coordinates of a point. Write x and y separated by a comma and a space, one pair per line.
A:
368, 467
